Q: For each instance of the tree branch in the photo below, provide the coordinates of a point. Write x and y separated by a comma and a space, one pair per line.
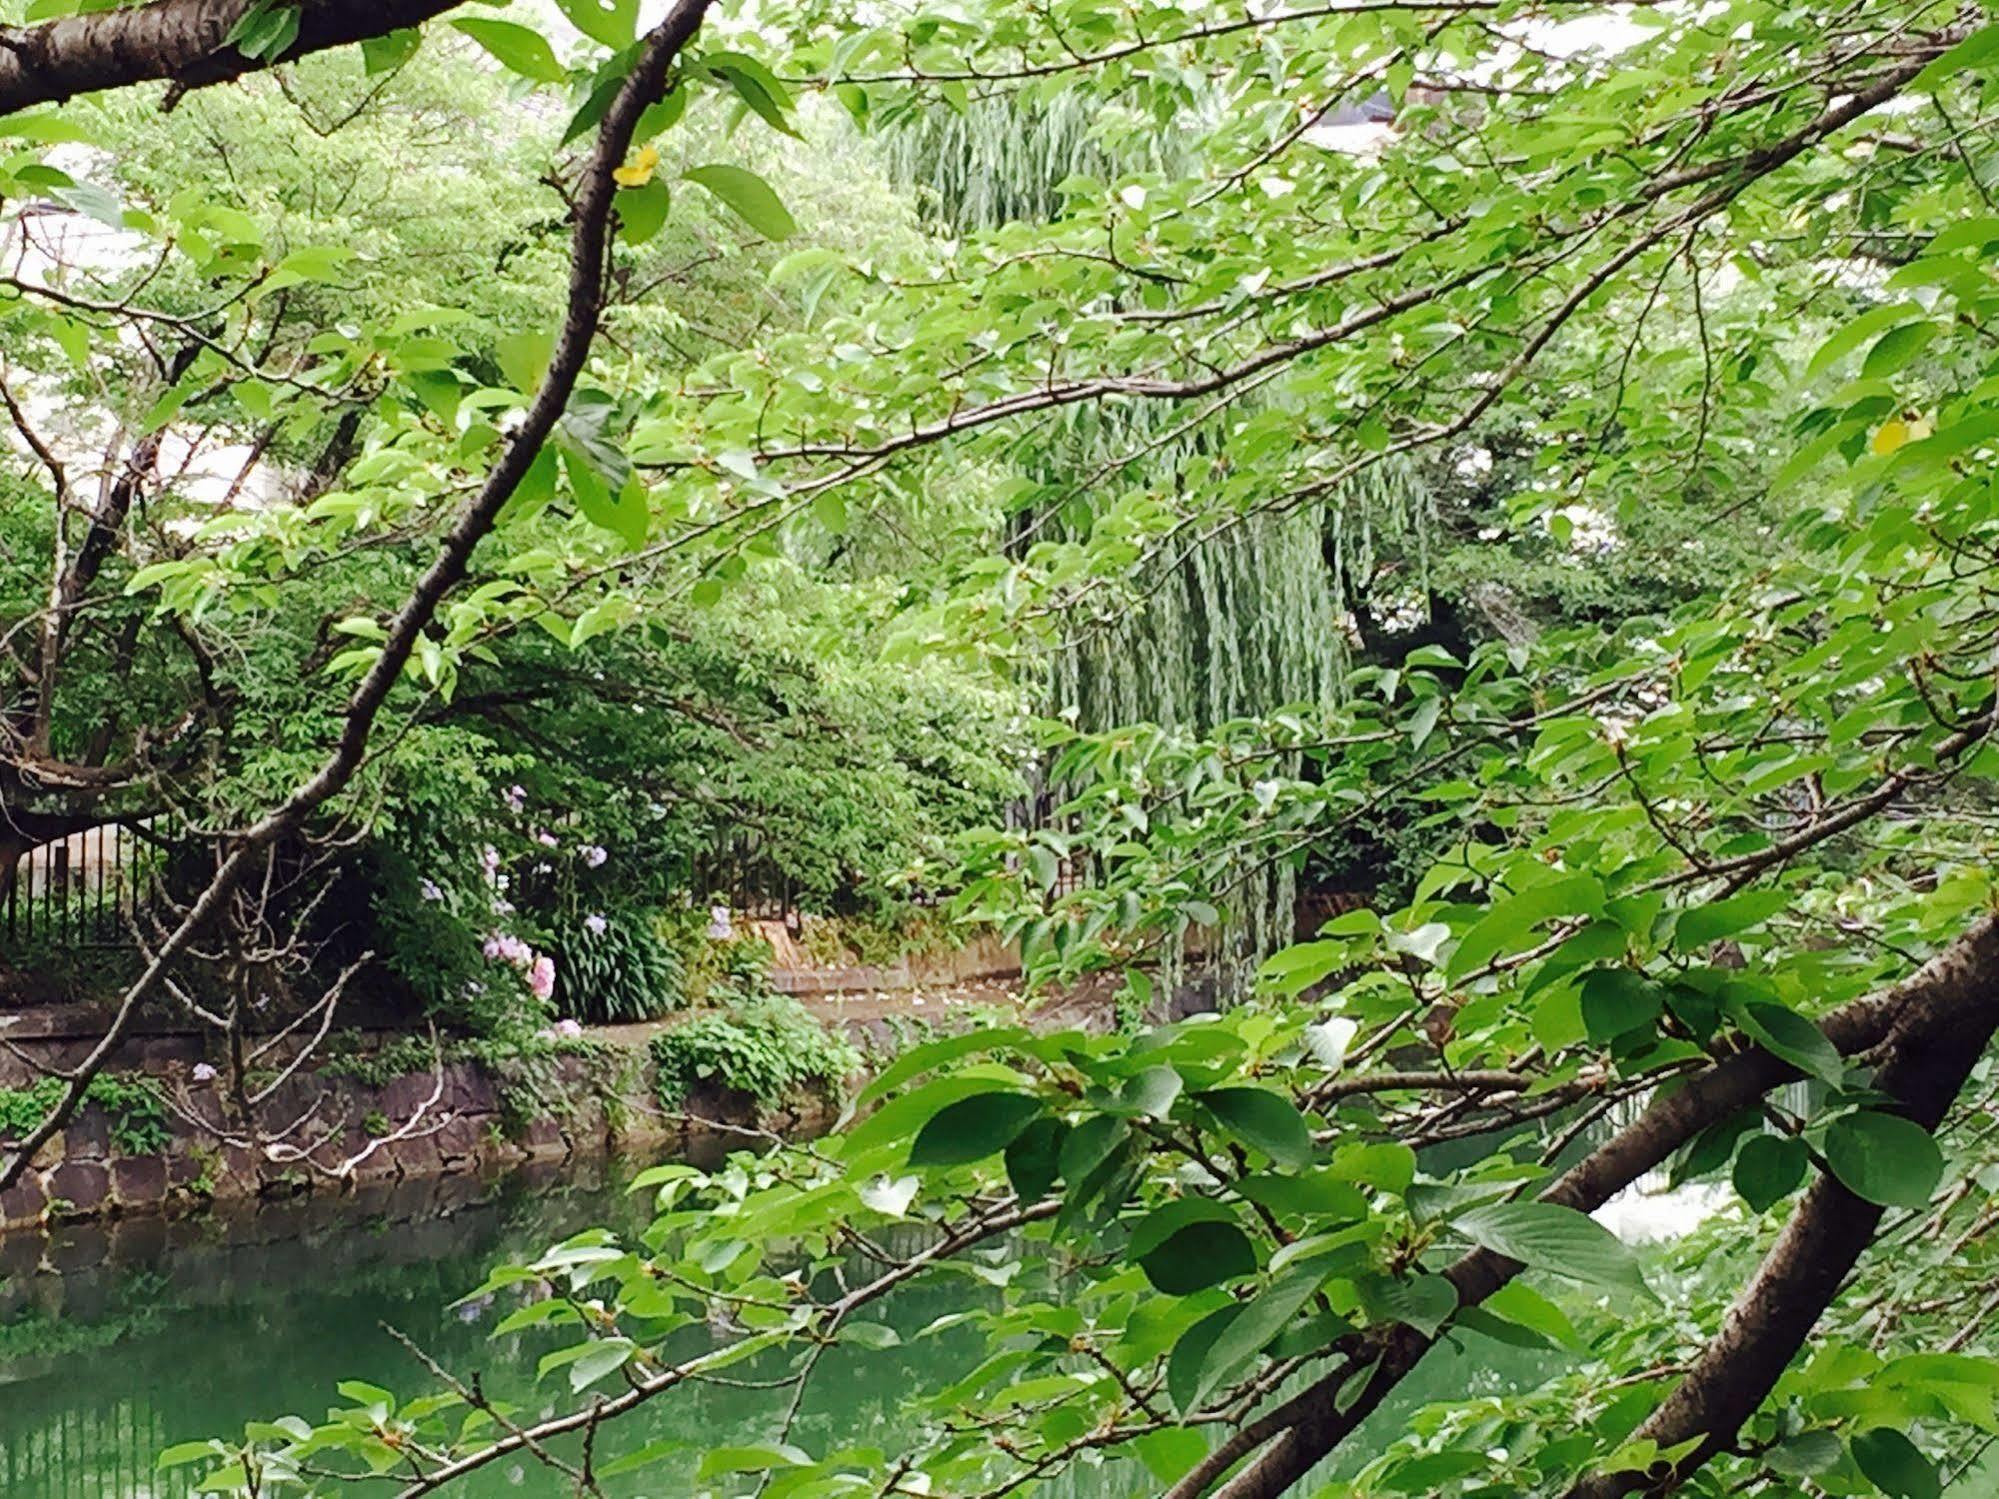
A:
1312, 1423
184, 42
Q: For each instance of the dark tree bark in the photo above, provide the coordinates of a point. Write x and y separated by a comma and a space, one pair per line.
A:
184, 42
1924, 1063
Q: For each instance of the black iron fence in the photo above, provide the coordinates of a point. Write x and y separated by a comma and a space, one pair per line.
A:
82, 891
740, 873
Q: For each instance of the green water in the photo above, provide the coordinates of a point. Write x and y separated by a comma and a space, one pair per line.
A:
129, 1339
117, 1342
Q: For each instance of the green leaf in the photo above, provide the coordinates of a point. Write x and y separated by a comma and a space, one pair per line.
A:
379, 54
720, 1460
901, 1118
1199, 1256
1559, 1240
1769, 1168
523, 359
521, 48
1033, 1159
1884, 1158
1264, 1316
930, 1055
1424, 1302
598, 1360
1189, 1245
1724, 918
615, 23
1974, 50
749, 196
183, 1453
1519, 1302
973, 1128
891, 1198
1152, 1092
872, 1335
622, 512
1190, 1356
759, 88
1806, 1453
644, 1457
1896, 348
1616, 1001
1511, 921
642, 211
1895, 1465
1785, 1033
1258, 1117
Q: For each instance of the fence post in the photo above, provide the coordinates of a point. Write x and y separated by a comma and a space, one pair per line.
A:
59, 888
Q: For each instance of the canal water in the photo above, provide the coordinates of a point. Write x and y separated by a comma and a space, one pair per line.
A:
119, 1340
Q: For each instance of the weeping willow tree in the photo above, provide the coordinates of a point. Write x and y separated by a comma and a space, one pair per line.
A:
1255, 618
1003, 159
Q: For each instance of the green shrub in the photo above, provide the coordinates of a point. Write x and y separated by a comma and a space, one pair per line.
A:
624, 972
770, 1048
133, 1104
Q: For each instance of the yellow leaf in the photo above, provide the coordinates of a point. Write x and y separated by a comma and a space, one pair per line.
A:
1894, 432
638, 171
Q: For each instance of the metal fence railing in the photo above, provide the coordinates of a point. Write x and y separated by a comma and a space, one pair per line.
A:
79, 892
741, 874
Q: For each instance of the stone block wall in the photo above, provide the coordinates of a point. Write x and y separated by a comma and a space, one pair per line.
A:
368, 1135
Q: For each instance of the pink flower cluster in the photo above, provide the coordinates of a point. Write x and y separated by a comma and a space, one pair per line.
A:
541, 977
505, 947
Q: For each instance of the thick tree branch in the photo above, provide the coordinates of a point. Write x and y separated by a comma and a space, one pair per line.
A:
184, 42
1312, 1423
1935, 1043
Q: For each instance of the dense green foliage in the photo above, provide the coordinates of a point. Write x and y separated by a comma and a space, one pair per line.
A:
768, 1046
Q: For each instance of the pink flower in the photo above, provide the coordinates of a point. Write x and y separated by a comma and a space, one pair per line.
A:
517, 797
489, 860
430, 890
541, 977
595, 855
568, 1029
506, 947
203, 1073
547, 840
595, 925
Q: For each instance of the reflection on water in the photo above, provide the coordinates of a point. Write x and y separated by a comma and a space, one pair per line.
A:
119, 1340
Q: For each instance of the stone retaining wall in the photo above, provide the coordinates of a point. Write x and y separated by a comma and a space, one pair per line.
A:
398, 1130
